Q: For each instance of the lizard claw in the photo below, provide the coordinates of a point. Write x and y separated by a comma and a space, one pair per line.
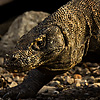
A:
16, 93
6, 95
10, 94
18, 96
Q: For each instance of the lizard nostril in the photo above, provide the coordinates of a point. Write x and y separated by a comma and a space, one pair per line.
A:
13, 59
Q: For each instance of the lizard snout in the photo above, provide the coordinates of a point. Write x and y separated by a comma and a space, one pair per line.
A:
11, 63
11, 58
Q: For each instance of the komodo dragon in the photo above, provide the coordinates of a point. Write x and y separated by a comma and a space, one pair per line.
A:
54, 46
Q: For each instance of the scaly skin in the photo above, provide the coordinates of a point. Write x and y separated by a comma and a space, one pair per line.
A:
55, 45
29, 87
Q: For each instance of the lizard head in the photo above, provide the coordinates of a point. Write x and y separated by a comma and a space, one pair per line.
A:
38, 48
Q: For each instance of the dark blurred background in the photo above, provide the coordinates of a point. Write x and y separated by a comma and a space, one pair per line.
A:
10, 8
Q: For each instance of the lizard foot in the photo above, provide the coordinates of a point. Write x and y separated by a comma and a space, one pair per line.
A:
17, 92
28, 88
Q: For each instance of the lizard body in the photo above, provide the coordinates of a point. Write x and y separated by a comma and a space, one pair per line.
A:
55, 45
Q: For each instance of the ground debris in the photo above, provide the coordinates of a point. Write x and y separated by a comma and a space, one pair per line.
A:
83, 86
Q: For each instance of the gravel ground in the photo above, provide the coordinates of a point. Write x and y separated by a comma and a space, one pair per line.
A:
80, 83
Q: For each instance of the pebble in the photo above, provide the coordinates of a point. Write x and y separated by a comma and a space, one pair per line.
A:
89, 64
96, 84
3, 82
84, 83
90, 79
13, 84
77, 76
16, 78
97, 72
97, 79
77, 83
54, 83
56, 92
61, 79
8, 79
49, 89
69, 80
20, 80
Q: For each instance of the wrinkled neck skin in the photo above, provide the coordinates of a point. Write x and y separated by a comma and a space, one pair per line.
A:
76, 23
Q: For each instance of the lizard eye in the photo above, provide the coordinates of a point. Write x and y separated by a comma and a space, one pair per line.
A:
39, 43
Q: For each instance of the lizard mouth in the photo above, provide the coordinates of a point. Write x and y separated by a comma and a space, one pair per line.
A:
18, 69
18, 66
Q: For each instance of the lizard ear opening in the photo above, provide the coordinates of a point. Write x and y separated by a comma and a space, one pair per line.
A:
66, 39
64, 34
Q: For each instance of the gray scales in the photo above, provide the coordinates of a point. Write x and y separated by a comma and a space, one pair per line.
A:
54, 46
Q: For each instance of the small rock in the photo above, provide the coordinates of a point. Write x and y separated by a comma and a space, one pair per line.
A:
20, 80
13, 84
96, 84
50, 89
97, 72
77, 82
78, 79
69, 80
7, 75
97, 80
54, 83
56, 92
90, 79
84, 83
77, 76
16, 79
3, 82
61, 79
9, 80
89, 64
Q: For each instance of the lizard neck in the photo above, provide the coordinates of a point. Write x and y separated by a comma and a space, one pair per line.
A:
76, 22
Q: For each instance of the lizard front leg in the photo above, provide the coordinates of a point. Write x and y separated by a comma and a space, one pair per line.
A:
29, 87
